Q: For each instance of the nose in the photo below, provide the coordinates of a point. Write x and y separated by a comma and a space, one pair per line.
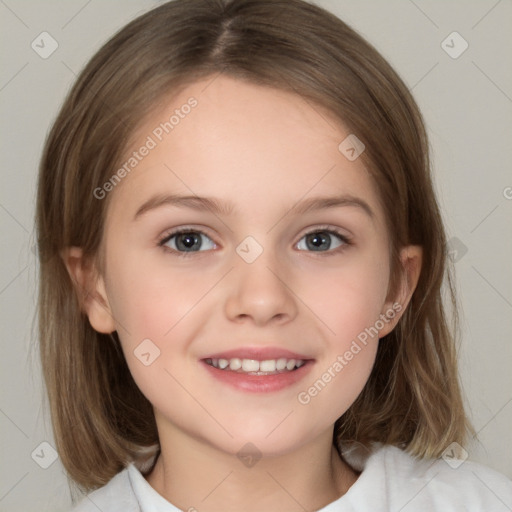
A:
260, 292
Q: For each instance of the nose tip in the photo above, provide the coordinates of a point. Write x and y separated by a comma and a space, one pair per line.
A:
257, 292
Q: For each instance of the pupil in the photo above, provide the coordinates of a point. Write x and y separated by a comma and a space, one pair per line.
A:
188, 240
319, 241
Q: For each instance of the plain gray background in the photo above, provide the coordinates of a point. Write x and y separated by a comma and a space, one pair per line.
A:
467, 104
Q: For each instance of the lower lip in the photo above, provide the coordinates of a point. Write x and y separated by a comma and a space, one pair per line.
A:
260, 383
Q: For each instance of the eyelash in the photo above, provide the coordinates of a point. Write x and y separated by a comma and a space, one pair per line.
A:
347, 241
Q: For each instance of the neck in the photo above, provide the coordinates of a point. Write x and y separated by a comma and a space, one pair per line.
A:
195, 475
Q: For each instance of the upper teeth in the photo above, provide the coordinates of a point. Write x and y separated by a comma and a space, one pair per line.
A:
253, 365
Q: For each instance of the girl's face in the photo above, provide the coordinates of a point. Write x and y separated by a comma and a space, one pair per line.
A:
284, 257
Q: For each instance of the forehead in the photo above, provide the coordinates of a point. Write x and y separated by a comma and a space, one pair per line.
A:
228, 138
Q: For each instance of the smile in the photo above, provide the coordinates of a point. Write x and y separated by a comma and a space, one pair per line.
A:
257, 370
255, 367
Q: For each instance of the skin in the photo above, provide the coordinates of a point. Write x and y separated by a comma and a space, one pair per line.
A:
263, 150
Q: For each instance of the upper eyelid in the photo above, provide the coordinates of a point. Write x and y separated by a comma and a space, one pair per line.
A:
313, 228
329, 228
307, 231
177, 231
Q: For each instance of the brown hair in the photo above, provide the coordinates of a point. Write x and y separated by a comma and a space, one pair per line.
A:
101, 420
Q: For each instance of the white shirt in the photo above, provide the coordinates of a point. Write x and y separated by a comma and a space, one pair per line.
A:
391, 480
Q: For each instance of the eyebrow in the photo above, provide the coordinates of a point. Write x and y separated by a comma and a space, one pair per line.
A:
227, 208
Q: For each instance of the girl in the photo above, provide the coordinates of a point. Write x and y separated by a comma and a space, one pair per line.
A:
241, 266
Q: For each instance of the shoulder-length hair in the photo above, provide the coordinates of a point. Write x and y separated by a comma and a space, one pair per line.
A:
101, 420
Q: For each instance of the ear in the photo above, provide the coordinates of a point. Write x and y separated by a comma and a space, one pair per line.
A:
411, 259
90, 289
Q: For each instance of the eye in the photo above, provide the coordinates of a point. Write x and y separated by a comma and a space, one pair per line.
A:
187, 241
323, 240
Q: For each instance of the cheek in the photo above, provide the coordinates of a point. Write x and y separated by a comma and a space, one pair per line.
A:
349, 353
349, 298
152, 309
158, 311
150, 303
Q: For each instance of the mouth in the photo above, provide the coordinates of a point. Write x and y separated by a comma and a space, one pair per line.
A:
258, 370
255, 367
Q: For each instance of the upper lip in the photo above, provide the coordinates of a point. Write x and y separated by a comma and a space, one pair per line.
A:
258, 354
